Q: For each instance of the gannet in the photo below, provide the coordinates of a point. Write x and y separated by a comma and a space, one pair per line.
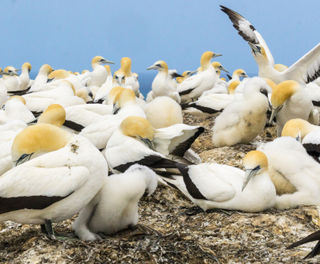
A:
162, 84
99, 74
294, 173
102, 93
242, 120
305, 70
237, 74
11, 79
289, 100
192, 87
41, 78
130, 79
115, 207
54, 186
163, 111
221, 186
185, 75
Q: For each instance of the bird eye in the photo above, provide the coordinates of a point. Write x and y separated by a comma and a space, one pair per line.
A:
264, 92
158, 65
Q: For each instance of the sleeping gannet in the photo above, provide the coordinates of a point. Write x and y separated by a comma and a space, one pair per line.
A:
115, 207
243, 119
289, 100
294, 173
54, 186
221, 186
192, 87
42, 78
162, 84
305, 70
163, 111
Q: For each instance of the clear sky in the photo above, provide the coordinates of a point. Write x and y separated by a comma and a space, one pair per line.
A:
68, 33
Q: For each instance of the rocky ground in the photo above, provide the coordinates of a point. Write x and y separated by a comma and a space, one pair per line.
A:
169, 234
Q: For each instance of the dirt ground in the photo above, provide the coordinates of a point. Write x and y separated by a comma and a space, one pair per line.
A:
169, 234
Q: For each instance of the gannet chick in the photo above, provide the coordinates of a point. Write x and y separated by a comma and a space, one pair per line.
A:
162, 84
303, 71
132, 143
99, 74
289, 100
310, 238
11, 79
221, 186
294, 173
115, 207
55, 185
195, 85
163, 111
42, 78
242, 120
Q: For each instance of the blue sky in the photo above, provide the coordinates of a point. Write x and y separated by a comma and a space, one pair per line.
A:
67, 34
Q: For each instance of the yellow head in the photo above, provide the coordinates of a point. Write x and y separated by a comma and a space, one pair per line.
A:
119, 77
37, 139
126, 66
26, 66
206, 58
160, 66
240, 73
113, 93
54, 115
10, 70
283, 92
99, 60
59, 74
137, 127
296, 128
271, 83
124, 96
83, 93
107, 67
232, 86
17, 97
46, 68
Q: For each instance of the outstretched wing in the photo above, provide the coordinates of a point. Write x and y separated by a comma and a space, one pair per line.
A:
247, 31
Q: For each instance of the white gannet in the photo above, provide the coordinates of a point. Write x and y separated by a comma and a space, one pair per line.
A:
243, 119
237, 74
15, 109
162, 84
42, 78
192, 87
102, 93
131, 143
163, 111
115, 207
130, 79
99, 74
305, 70
10, 79
24, 77
221, 186
294, 173
184, 75
54, 186
289, 100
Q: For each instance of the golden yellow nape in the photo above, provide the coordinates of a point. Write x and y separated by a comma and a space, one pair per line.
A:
59, 74
39, 138
17, 97
97, 59
114, 92
107, 67
47, 68
239, 72
216, 64
296, 128
271, 83
205, 59
55, 114
126, 66
26, 66
136, 126
232, 86
283, 92
255, 158
125, 95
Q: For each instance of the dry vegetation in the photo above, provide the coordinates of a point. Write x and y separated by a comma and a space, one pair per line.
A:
168, 234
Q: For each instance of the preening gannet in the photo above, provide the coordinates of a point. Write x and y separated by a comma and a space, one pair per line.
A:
55, 185
305, 70
294, 173
221, 186
24, 78
163, 111
115, 207
192, 87
162, 84
242, 120
289, 100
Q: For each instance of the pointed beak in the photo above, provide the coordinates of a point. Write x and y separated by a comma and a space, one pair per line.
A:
274, 113
115, 109
223, 69
50, 80
249, 173
216, 55
104, 61
175, 75
152, 67
148, 142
